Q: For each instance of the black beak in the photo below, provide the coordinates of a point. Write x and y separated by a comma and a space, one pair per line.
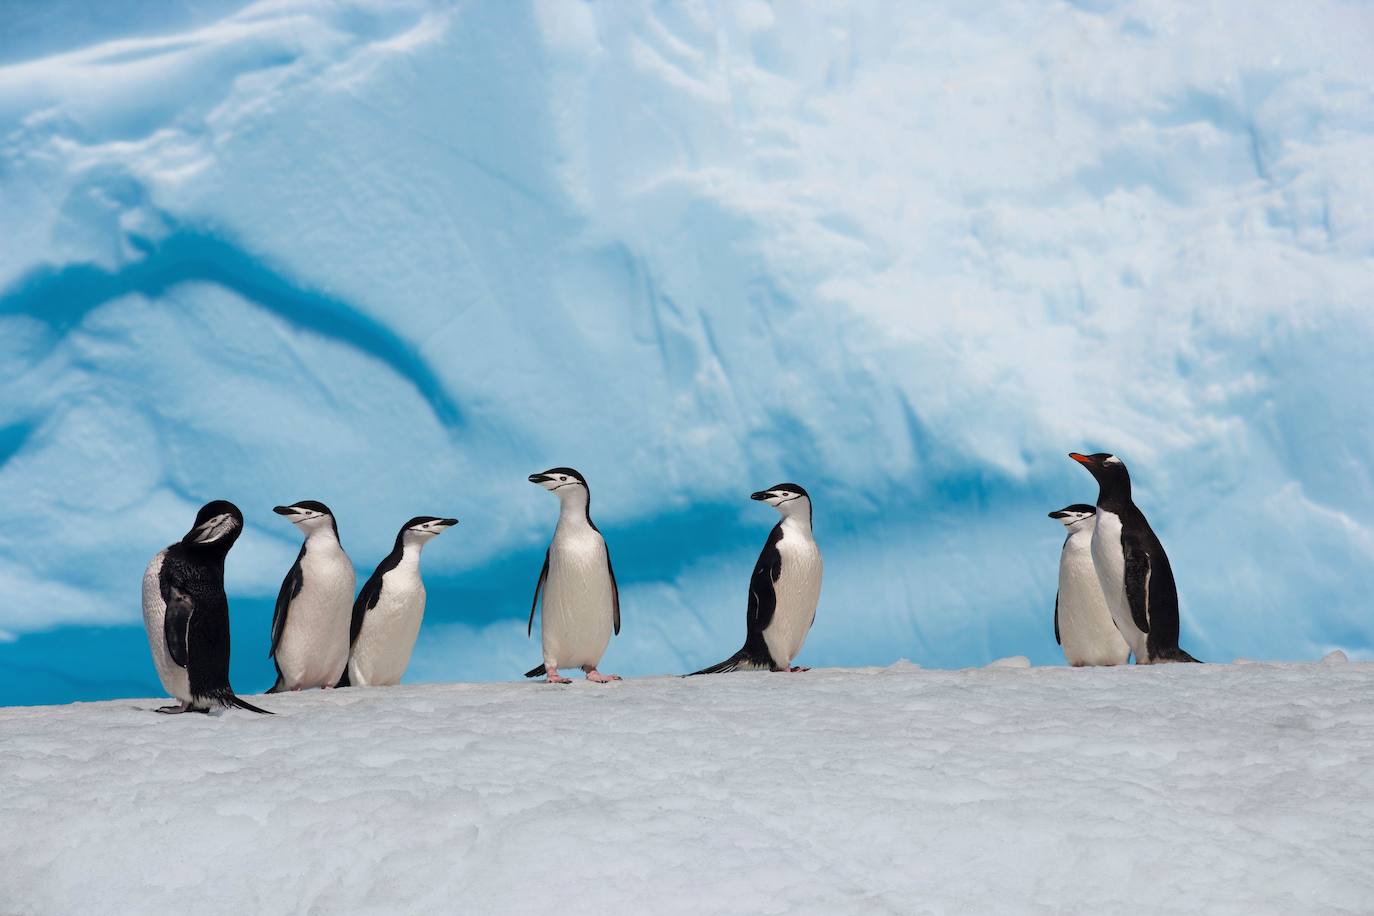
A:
448, 522
761, 494
538, 478
283, 510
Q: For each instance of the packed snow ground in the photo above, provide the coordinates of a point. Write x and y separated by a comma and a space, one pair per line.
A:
1219, 788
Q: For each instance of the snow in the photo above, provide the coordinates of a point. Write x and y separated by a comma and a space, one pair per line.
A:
397, 255
1178, 789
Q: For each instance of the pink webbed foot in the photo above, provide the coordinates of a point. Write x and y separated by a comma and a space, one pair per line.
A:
798, 668
596, 677
553, 677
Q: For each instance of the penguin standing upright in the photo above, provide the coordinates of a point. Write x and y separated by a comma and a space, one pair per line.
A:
389, 609
1083, 624
784, 589
581, 599
1132, 567
310, 627
186, 613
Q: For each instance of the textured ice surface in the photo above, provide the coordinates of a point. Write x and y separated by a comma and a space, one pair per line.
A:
396, 256
1178, 789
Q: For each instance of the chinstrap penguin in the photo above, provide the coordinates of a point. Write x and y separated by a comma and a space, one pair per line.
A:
784, 589
1083, 624
389, 609
186, 613
1132, 567
310, 627
581, 600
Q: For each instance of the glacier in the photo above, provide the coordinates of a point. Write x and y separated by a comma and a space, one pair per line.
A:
398, 255
1245, 789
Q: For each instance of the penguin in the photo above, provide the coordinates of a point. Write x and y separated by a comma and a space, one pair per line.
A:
1083, 625
387, 614
581, 599
784, 589
312, 621
1132, 567
186, 613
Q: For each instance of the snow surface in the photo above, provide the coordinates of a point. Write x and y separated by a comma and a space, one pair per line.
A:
1175, 789
397, 255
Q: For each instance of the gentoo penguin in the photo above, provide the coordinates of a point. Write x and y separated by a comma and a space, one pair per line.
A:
314, 607
784, 589
1132, 567
1082, 623
387, 614
581, 599
186, 613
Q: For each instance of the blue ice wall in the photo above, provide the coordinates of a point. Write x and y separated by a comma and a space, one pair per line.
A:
396, 256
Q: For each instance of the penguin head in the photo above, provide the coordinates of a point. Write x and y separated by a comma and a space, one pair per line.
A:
421, 528
1114, 483
1074, 515
309, 515
218, 525
555, 479
788, 498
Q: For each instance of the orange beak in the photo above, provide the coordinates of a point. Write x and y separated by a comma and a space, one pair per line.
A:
1081, 459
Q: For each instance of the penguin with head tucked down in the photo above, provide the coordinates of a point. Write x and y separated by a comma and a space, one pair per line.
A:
186, 613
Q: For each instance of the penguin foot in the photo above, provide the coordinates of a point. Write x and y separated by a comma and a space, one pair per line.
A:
798, 668
596, 677
178, 709
555, 678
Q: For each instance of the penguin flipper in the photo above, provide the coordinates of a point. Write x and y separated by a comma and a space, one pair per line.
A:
763, 600
536, 672
544, 575
1056, 620
367, 600
176, 623
290, 588
1137, 581
615, 594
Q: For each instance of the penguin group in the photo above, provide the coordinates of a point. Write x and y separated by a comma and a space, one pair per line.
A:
1116, 597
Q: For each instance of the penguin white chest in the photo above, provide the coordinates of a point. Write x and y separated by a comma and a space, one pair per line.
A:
797, 591
1109, 559
387, 638
1087, 630
173, 676
579, 602
314, 643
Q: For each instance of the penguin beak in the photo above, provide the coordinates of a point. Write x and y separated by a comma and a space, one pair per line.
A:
283, 510
1057, 514
539, 478
1082, 459
448, 522
760, 495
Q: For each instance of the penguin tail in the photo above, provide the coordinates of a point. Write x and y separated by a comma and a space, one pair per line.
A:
536, 672
1176, 655
240, 703
743, 660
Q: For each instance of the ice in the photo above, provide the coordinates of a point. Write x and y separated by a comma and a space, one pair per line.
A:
1179, 789
396, 256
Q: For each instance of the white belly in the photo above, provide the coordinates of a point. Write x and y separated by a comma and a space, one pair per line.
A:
1110, 562
314, 645
1086, 629
798, 590
172, 675
578, 605
382, 653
